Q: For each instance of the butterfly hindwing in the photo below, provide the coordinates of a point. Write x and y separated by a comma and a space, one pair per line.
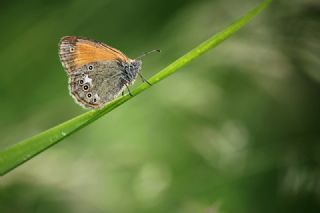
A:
95, 84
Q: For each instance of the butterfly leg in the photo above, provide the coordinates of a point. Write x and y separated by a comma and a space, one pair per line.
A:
129, 90
143, 79
126, 84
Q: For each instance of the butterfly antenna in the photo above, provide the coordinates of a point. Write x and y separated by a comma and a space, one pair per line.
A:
147, 53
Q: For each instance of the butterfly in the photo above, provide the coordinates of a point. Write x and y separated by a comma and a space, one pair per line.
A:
97, 73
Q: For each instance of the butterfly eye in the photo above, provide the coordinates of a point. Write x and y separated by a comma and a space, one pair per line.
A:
89, 95
90, 67
85, 87
80, 82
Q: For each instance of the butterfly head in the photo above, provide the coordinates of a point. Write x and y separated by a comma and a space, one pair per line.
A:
131, 69
136, 64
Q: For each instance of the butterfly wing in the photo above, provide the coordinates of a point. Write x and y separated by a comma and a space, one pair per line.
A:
75, 52
94, 69
97, 83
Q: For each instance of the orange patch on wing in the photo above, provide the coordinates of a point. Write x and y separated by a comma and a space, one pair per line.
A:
88, 52
75, 52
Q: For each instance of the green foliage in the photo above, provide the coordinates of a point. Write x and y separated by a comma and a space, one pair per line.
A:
237, 130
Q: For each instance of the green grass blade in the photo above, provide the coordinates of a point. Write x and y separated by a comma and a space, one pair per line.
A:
25, 150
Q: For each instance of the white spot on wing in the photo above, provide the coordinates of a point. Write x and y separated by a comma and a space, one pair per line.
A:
88, 80
97, 97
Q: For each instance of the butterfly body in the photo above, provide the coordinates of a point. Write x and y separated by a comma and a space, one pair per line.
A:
97, 72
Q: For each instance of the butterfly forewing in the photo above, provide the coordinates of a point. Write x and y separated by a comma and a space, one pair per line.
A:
75, 52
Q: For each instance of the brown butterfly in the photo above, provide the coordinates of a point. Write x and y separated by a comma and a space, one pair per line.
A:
97, 72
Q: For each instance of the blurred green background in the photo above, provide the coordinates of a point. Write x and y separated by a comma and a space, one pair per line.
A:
237, 130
